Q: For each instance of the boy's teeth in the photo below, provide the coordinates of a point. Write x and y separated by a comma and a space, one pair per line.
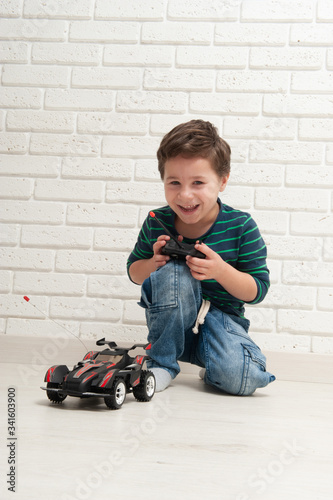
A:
188, 207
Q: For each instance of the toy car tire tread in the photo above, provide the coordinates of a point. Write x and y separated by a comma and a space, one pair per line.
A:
55, 397
146, 388
118, 395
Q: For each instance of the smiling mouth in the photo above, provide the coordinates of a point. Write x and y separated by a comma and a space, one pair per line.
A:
188, 209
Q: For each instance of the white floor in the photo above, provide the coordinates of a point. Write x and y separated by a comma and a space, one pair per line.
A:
189, 442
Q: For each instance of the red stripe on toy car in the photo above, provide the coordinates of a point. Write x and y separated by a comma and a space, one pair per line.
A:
89, 376
136, 382
106, 378
49, 373
85, 368
139, 359
89, 355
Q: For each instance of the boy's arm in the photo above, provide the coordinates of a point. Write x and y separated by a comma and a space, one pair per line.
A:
142, 269
239, 284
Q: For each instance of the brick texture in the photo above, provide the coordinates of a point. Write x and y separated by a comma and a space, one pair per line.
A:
88, 89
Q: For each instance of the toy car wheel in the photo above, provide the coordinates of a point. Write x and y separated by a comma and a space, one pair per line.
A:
146, 388
55, 396
118, 396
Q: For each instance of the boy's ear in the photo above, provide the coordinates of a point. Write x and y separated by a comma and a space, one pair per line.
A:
224, 182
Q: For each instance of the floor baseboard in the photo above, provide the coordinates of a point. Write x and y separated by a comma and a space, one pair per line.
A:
37, 351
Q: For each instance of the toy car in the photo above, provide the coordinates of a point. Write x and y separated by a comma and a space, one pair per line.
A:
109, 374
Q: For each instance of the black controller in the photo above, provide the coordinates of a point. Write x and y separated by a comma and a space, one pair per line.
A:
177, 249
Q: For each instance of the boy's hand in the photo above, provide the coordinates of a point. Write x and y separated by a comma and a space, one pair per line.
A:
208, 268
158, 258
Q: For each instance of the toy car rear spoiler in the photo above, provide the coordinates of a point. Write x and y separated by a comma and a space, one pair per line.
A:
106, 342
113, 345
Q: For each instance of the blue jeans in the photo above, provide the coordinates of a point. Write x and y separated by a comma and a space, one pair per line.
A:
172, 298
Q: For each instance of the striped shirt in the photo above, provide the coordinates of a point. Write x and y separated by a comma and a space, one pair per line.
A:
234, 236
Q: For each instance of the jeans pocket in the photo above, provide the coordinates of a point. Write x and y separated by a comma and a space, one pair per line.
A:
254, 374
256, 355
233, 327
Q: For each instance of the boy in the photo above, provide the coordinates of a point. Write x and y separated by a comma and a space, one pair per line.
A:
178, 295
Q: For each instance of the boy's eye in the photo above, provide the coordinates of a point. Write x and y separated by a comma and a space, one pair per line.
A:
197, 183
174, 183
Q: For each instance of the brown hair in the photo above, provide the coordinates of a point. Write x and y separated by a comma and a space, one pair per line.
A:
195, 138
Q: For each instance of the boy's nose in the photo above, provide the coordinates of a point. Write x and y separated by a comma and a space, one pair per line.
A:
186, 194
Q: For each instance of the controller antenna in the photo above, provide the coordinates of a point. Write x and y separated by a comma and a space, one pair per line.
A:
152, 214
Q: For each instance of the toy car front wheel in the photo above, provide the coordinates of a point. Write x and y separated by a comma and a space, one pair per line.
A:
118, 395
146, 388
55, 396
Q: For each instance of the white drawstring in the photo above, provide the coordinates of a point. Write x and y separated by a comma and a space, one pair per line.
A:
204, 308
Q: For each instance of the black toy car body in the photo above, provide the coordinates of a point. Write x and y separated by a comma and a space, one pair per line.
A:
109, 374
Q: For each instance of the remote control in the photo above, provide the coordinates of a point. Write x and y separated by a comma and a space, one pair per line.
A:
177, 249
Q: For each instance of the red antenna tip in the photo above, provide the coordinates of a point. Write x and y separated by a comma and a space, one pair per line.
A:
26, 298
151, 214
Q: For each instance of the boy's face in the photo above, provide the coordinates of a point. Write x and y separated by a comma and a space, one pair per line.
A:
191, 188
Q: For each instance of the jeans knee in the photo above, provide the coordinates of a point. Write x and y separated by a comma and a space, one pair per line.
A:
171, 285
224, 382
243, 376
160, 290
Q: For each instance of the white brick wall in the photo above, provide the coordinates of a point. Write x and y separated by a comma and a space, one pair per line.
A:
89, 87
